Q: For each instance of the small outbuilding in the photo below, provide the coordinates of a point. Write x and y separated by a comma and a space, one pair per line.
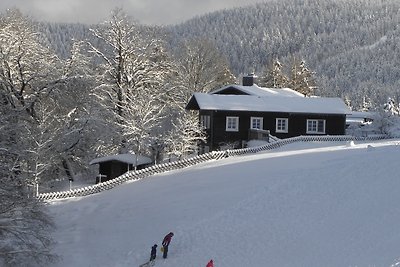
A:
359, 118
111, 167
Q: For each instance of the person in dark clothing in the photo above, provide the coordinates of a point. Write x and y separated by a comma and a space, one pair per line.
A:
165, 244
153, 253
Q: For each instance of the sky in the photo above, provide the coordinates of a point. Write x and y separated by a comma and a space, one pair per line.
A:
153, 12
305, 204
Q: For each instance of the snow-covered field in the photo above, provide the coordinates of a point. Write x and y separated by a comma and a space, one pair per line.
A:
305, 204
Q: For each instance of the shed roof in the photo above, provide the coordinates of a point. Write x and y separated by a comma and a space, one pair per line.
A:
362, 114
125, 158
313, 105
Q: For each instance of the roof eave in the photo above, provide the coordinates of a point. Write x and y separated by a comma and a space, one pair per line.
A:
192, 104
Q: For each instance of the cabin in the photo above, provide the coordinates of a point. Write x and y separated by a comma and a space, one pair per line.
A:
236, 114
111, 167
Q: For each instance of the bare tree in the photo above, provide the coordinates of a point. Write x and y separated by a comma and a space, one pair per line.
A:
28, 70
28, 75
202, 67
47, 98
133, 71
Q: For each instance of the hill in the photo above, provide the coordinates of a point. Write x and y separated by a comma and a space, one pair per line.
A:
352, 46
305, 204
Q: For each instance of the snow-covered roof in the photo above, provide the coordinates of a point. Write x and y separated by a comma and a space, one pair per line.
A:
255, 90
361, 114
126, 158
314, 105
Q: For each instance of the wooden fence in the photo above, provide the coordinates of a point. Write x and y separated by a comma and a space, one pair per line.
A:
214, 155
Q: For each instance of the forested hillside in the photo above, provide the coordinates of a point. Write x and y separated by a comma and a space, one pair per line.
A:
352, 46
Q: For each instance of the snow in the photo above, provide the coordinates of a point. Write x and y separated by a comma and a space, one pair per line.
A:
313, 105
261, 91
305, 204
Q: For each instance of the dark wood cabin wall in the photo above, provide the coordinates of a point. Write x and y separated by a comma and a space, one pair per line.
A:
335, 125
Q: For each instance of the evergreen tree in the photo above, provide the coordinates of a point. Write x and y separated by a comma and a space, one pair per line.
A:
366, 104
302, 79
274, 77
391, 107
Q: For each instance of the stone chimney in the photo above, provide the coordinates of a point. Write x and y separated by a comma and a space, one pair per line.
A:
248, 80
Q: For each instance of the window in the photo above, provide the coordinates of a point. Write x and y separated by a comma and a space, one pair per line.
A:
316, 126
282, 125
256, 123
232, 124
205, 121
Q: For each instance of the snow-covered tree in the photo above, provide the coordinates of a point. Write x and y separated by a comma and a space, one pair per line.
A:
302, 78
183, 140
347, 101
25, 228
45, 96
29, 76
366, 104
274, 77
81, 129
131, 81
387, 120
28, 70
202, 67
391, 107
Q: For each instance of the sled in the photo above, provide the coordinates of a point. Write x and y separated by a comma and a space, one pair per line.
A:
148, 264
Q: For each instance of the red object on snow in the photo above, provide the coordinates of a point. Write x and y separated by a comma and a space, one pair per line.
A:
210, 264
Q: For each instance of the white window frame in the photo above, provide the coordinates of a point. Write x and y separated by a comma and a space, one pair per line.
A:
261, 122
313, 129
205, 121
232, 124
277, 125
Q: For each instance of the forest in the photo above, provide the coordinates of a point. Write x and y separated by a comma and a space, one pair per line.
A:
350, 46
73, 92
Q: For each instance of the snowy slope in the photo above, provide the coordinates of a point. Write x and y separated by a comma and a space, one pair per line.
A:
320, 204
